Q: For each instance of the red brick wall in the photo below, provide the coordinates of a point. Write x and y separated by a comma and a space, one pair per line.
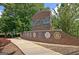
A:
56, 37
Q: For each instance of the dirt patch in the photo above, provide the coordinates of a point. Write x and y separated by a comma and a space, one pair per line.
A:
65, 50
11, 49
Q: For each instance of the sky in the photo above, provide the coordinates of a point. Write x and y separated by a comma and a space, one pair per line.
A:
49, 5
1, 8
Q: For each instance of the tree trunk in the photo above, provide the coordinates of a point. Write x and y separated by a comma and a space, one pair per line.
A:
5, 35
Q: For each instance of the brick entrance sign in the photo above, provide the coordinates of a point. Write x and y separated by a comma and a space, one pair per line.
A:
42, 31
41, 21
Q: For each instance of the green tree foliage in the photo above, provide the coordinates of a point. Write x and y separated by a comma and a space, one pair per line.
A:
17, 17
67, 14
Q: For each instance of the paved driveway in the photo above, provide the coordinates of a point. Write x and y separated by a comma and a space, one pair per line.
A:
30, 48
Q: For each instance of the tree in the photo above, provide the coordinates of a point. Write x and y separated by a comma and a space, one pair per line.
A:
67, 13
17, 17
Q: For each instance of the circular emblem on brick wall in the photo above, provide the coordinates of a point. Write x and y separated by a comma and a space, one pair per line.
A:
47, 35
34, 35
57, 35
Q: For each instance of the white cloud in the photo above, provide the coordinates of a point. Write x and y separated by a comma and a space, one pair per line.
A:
0, 16
56, 8
52, 11
0, 13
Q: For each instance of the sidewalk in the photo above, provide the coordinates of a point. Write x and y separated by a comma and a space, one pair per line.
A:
30, 48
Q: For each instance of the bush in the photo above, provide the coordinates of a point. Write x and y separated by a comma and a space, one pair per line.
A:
2, 35
10, 36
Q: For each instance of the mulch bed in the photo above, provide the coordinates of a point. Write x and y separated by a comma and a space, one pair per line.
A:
8, 48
